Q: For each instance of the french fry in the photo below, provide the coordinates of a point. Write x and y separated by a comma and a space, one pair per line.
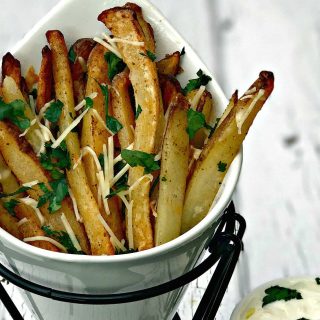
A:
170, 65
9, 223
95, 135
206, 106
98, 237
31, 78
11, 67
173, 174
31, 227
81, 49
220, 151
170, 87
124, 24
19, 155
45, 83
122, 109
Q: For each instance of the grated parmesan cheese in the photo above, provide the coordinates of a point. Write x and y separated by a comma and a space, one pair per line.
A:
82, 103
26, 131
43, 238
116, 40
110, 157
88, 150
108, 46
104, 191
249, 96
42, 142
197, 97
75, 206
119, 157
70, 232
153, 207
30, 184
33, 204
114, 240
250, 91
119, 174
83, 64
22, 221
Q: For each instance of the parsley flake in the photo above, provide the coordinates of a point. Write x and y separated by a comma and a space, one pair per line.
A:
277, 293
54, 111
89, 102
183, 51
112, 123
195, 121
150, 55
139, 158
114, 192
14, 111
10, 206
72, 55
20, 190
63, 238
115, 64
101, 160
222, 166
139, 110
193, 84
34, 93
317, 280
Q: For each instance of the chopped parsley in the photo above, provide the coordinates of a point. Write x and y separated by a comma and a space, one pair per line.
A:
222, 166
101, 160
164, 179
89, 102
20, 190
14, 111
195, 121
115, 64
277, 293
123, 181
54, 111
114, 192
54, 197
183, 51
56, 160
34, 93
150, 55
193, 84
112, 123
139, 110
72, 55
10, 206
63, 238
317, 280
139, 158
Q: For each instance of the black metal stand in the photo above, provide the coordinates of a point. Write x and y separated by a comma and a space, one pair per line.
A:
224, 247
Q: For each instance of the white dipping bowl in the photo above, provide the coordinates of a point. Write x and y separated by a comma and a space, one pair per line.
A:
250, 308
122, 273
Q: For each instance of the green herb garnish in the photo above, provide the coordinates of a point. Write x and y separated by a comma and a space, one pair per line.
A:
123, 181
10, 206
317, 280
139, 158
112, 123
277, 293
193, 84
14, 111
89, 102
54, 197
115, 64
139, 110
150, 55
63, 238
196, 121
34, 93
20, 190
183, 52
72, 55
114, 192
54, 111
222, 166
101, 160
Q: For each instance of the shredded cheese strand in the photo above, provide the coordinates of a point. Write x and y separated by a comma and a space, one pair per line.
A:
137, 182
70, 232
82, 103
119, 175
30, 184
69, 129
83, 64
101, 181
106, 170
44, 109
250, 91
33, 204
75, 206
43, 238
26, 131
115, 240
108, 46
197, 97
110, 157
32, 104
88, 150
22, 221
112, 40
42, 142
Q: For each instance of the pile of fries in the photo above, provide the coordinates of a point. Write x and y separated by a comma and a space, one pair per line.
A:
103, 152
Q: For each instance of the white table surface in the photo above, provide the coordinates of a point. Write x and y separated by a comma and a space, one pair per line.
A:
279, 189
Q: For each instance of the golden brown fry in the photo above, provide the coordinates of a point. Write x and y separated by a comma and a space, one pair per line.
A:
19, 155
45, 84
122, 109
88, 208
173, 174
95, 135
11, 67
124, 24
30, 228
9, 223
204, 105
31, 79
170, 65
81, 49
220, 151
170, 87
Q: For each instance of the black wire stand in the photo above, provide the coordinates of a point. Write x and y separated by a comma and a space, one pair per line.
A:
224, 249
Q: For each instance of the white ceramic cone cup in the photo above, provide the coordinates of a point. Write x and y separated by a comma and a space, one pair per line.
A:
122, 273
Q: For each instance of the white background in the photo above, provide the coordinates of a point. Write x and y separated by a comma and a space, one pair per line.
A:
279, 189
